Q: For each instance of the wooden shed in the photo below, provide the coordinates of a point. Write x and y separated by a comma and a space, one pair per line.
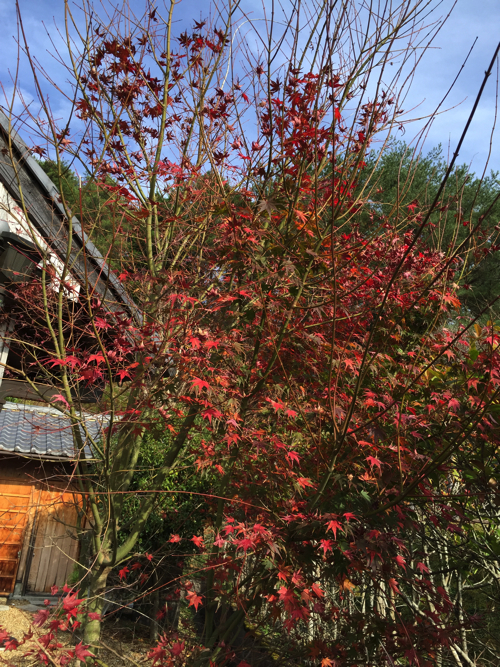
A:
41, 510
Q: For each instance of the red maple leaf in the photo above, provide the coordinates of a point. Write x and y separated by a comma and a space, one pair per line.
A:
326, 545
194, 600
219, 541
394, 585
293, 456
177, 648
200, 384
374, 462
401, 562
11, 644
317, 591
277, 405
198, 541
70, 361
195, 343
41, 617
60, 398
287, 596
211, 412
82, 652
301, 613
245, 544
157, 654
71, 604
303, 482
422, 567
334, 526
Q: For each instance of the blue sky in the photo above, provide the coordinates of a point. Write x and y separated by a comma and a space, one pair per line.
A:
469, 19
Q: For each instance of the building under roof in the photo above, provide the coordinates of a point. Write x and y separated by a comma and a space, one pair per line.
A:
42, 503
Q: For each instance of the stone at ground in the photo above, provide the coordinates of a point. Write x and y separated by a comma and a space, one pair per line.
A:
32, 608
34, 599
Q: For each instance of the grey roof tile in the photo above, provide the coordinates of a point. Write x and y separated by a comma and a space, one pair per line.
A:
32, 430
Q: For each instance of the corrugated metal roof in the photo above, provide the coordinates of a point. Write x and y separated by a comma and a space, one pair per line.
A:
32, 430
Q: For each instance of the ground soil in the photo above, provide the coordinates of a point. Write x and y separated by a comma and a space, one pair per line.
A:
125, 642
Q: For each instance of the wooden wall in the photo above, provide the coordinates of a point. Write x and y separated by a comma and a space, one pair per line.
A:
49, 545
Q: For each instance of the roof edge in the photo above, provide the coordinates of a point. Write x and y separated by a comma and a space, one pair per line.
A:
46, 184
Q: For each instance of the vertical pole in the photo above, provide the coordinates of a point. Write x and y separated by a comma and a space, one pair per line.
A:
6, 328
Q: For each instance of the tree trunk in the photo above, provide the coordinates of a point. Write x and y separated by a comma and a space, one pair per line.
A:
95, 604
154, 627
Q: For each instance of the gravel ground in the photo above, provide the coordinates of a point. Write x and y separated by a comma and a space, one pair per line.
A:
125, 644
16, 623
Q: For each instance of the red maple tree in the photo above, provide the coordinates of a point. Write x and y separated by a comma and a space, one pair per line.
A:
304, 351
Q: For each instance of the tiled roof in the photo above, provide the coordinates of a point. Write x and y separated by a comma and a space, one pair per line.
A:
32, 430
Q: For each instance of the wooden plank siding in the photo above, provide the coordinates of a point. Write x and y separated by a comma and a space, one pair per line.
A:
15, 501
56, 548
38, 545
